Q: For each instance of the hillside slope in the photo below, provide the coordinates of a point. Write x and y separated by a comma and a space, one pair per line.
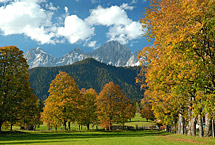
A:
88, 73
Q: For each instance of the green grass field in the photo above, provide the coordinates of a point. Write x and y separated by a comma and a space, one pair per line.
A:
101, 137
144, 137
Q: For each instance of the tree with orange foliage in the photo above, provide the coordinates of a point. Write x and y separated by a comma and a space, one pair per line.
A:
112, 106
63, 102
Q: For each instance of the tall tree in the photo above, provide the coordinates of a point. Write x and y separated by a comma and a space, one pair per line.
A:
146, 111
63, 99
184, 43
16, 96
110, 105
126, 112
88, 114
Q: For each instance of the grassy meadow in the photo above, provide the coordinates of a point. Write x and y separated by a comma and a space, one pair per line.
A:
100, 137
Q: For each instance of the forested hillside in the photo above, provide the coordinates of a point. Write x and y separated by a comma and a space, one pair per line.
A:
88, 73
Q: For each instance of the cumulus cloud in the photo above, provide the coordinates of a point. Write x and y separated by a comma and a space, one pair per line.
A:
126, 6
121, 28
28, 18
124, 33
113, 15
75, 29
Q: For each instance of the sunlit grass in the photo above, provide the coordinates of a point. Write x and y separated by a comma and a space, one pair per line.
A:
100, 137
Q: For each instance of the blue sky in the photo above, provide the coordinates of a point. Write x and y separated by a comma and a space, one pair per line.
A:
58, 26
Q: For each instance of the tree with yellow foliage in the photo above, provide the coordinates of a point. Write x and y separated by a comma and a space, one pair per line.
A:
63, 102
181, 70
88, 110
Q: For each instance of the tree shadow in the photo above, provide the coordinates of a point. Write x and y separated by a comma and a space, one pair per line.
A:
29, 138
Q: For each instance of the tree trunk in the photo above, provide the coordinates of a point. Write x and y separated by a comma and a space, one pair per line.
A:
147, 119
110, 125
181, 124
69, 123
1, 122
189, 127
55, 126
79, 127
201, 132
64, 124
168, 128
213, 133
207, 125
88, 126
193, 126
11, 127
49, 127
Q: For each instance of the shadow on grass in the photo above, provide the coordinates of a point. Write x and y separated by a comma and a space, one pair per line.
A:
65, 136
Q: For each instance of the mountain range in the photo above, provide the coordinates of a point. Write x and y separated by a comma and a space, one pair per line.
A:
111, 53
88, 73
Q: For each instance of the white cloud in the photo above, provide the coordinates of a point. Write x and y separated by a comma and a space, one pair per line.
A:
126, 6
4, 1
121, 28
125, 33
66, 11
28, 18
95, 1
75, 29
108, 16
134, 1
51, 7
92, 44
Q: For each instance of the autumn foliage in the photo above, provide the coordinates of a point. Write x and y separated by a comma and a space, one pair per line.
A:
180, 76
66, 103
113, 107
62, 103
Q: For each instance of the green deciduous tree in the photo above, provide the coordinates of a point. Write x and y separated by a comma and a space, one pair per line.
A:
17, 101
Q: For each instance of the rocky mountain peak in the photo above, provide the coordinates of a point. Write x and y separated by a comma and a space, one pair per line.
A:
112, 53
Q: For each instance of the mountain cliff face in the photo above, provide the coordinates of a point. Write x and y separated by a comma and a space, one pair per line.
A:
112, 53
38, 57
